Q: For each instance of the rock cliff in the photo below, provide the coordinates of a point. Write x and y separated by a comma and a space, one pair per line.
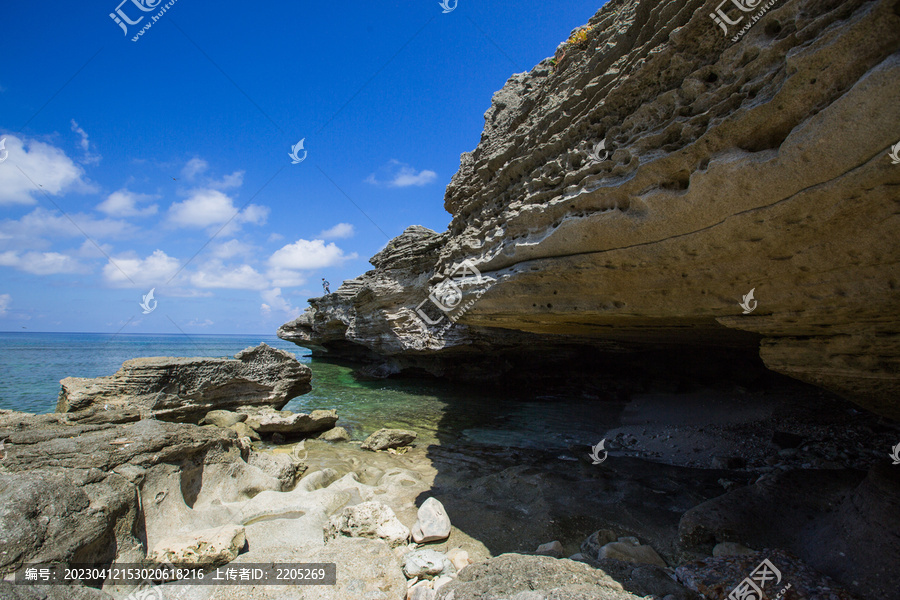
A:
627, 194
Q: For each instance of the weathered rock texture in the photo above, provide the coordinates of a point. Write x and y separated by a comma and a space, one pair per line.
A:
761, 163
185, 389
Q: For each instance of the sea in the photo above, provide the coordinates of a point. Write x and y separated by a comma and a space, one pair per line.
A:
441, 412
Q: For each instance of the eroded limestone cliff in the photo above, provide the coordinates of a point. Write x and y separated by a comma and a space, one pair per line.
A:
718, 166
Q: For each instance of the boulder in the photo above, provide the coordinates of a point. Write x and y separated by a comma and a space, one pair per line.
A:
388, 438
433, 524
282, 467
554, 549
459, 558
223, 418
185, 389
335, 434
591, 546
208, 548
631, 552
287, 422
244, 430
421, 590
427, 564
507, 575
369, 520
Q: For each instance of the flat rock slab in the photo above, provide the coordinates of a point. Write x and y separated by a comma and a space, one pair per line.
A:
207, 548
288, 422
185, 389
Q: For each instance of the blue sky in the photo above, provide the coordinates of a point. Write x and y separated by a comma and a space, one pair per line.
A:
164, 162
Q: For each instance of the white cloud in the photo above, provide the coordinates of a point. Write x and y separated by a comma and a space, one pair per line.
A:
90, 250
5, 301
230, 249
275, 301
28, 231
285, 278
194, 167
155, 270
275, 237
41, 263
235, 180
89, 158
308, 254
123, 203
339, 231
198, 323
216, 275
45, 168
208, 207
398, 174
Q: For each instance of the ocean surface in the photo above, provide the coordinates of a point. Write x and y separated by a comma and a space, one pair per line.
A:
32, 364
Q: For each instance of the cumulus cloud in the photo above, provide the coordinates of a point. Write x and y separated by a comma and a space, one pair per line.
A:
308, 254
41, 263
339, 231
235, 277
29, 231
45, 168
208, 207
230, 249
155, 270
400, 175
274, 301
123, 203
89, 157
194, 167
5, 301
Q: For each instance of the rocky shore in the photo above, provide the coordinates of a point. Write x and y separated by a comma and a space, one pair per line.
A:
451, 520
747, 449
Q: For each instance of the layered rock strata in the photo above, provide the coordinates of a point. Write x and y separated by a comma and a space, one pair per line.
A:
631, 194
185, 389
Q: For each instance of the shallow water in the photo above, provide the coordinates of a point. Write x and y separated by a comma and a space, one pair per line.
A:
31, 365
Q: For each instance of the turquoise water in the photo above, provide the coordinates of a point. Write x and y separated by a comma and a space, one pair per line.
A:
32, 364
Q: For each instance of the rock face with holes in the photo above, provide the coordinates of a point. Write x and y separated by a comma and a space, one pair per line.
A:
185, 389
760, 163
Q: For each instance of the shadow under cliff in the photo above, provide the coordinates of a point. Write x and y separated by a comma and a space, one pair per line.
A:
682, 430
